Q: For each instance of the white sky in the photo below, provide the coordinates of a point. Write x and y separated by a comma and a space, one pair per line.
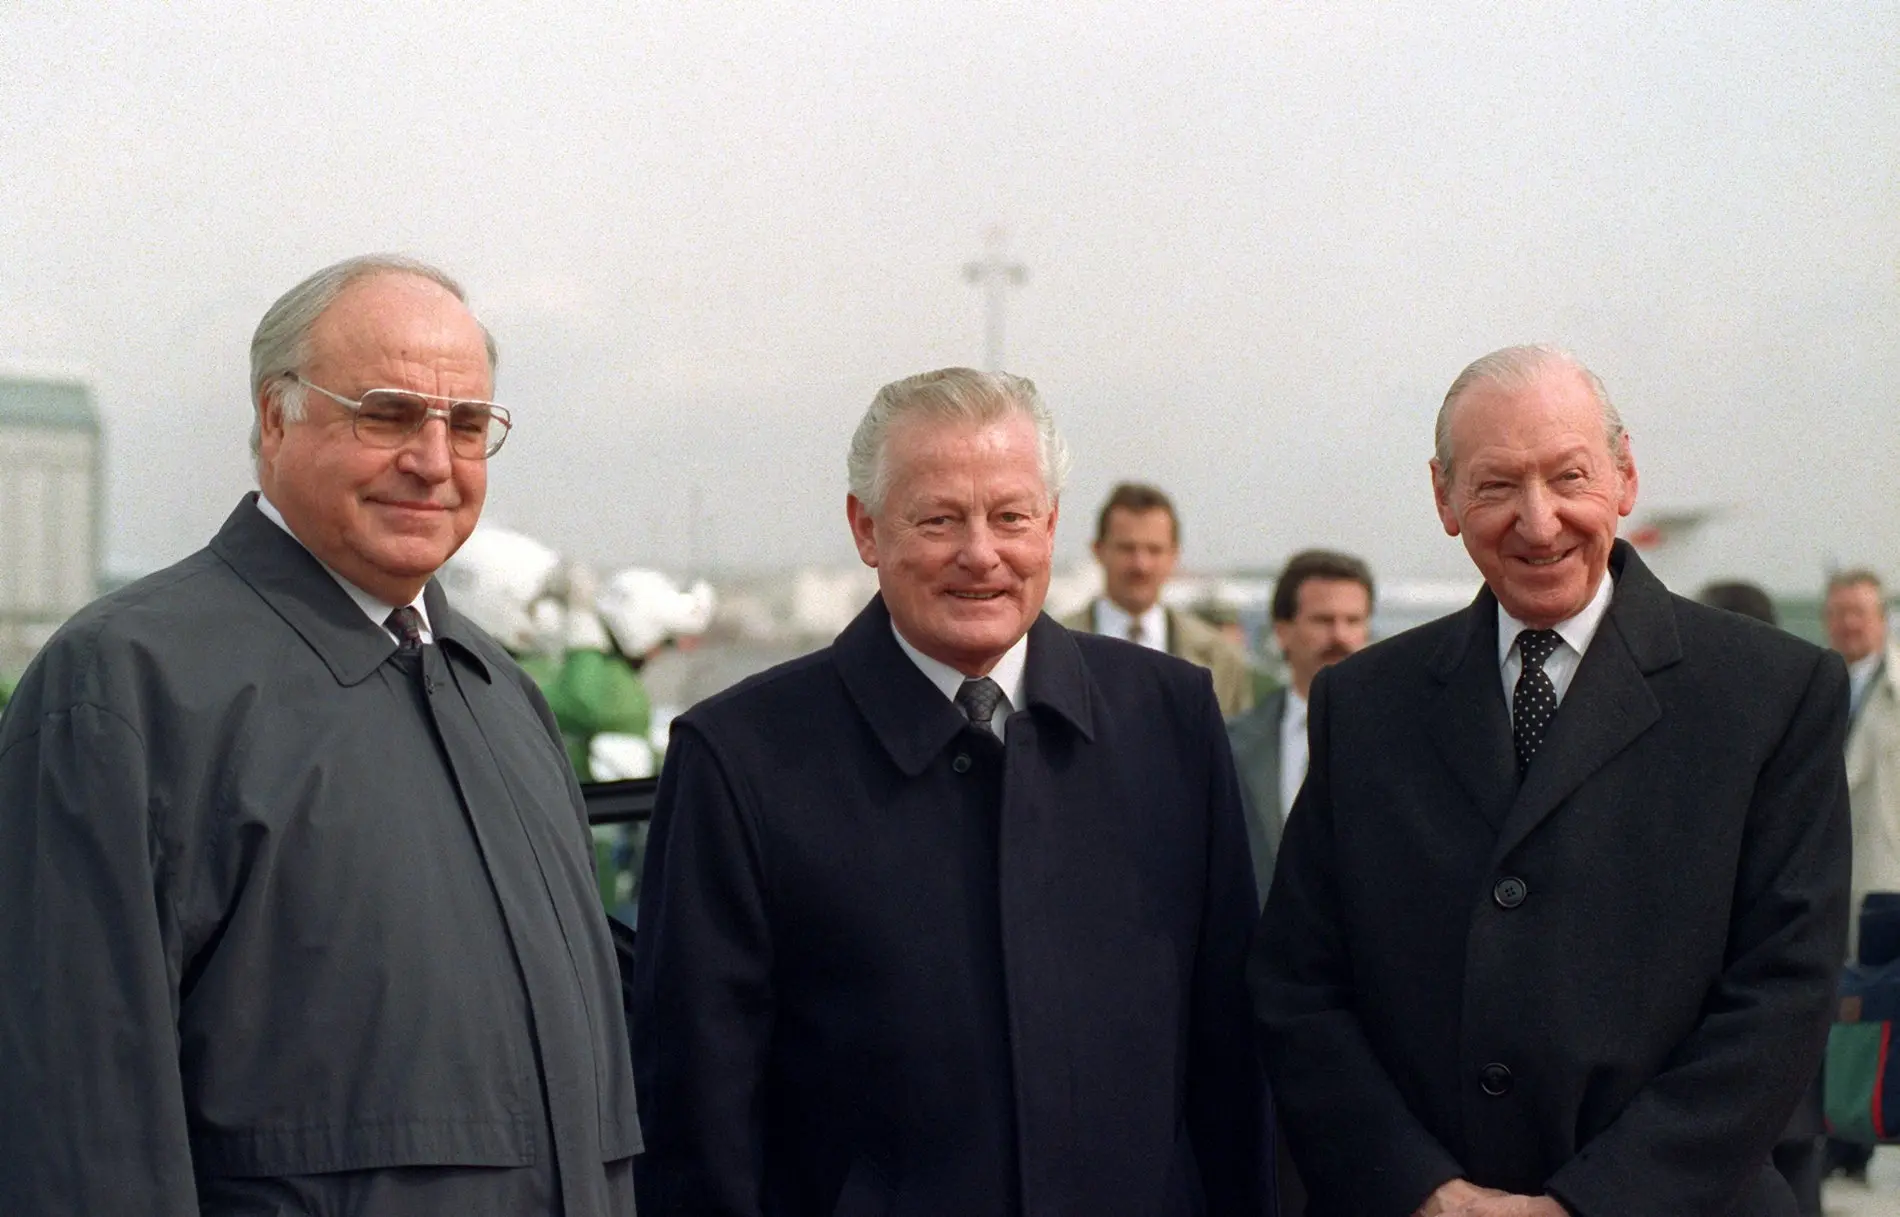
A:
1262, 239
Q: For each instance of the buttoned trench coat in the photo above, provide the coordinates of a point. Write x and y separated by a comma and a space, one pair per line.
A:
888, 965
1610, 983
285, 928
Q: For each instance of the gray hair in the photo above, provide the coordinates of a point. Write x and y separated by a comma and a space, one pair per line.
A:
950, 395
281, 344
1520, 367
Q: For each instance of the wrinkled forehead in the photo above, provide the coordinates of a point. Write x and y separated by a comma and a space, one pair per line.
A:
1549, 417
922, 453
397, 319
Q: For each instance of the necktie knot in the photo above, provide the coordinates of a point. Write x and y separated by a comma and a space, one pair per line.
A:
1134, 630
1538, 645
406, 624
977, 699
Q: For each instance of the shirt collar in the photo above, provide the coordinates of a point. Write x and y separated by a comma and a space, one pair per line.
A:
1008, 672
1295, 706
377, 611
1863, 669
1576, 631
1112, 619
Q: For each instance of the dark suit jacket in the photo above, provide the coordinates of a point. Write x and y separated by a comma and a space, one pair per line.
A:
887, 964
1612, 982
1255, 739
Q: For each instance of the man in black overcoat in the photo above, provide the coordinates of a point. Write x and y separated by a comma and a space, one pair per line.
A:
1558, 914
951, 917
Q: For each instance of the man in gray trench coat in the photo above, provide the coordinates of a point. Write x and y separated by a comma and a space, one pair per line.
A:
297, 909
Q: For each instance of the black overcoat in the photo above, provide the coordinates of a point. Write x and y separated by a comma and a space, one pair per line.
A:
1610, 983
889, 965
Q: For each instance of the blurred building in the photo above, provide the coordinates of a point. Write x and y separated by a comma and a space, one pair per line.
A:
50, 509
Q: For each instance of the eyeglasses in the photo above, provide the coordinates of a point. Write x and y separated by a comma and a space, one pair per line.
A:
386, 418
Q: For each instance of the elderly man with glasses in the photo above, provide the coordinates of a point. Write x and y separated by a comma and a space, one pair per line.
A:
297, 906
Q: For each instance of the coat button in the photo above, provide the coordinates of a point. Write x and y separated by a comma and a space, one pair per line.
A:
1510, 892
1496, 1080
962, 763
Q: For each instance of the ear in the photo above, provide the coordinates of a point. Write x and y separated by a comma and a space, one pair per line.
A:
1441, 495
1627, 503
1280, 630
863, 529
270, 420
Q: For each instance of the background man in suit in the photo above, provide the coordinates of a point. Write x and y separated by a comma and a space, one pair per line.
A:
1557, 919
297, 909
1855, 613
1856, 616
951, 916
1322, 612
1137, 542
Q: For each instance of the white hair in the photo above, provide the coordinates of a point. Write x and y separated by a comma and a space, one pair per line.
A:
1520, 367
281, 344
950, 395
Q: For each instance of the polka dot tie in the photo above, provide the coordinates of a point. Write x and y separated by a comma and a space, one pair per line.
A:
977, 699
1534, 700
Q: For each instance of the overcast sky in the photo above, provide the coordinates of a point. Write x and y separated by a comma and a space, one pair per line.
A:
1261, 241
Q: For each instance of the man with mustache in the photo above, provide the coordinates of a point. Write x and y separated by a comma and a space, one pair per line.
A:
1558, 914
1322, 612
950, 917
297, 904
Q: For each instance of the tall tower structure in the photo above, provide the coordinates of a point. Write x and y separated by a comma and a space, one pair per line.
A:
995, 274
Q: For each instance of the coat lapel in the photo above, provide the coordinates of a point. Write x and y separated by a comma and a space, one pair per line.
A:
1609, 704
1469, 721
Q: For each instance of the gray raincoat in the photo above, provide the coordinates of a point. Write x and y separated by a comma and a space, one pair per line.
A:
285, 928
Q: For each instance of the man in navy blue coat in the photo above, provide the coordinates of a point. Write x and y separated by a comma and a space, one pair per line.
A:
951, 917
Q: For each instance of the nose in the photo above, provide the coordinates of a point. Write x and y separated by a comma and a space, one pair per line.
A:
1537, 516
426, 453
978, 551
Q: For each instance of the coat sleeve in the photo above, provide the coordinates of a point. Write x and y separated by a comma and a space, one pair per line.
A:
1706, 1122
703, 1003
1355, 1139
92, 1115
1227, 1110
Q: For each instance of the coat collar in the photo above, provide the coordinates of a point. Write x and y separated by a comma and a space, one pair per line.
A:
914, 721
309, 599
1608, 706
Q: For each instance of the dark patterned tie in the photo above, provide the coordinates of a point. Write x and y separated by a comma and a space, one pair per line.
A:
1534, 700
406, 624
977, 699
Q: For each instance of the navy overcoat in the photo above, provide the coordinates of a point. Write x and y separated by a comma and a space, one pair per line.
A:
887, 964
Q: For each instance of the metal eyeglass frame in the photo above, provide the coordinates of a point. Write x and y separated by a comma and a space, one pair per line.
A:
496, 413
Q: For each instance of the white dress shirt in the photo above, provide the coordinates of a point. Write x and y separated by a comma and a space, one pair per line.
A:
1112, 619
1292, 750
377, 611
1561, 667
1008, 674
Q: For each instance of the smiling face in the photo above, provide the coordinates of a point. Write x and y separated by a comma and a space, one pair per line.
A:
963, 541
1535, 492
383, 518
